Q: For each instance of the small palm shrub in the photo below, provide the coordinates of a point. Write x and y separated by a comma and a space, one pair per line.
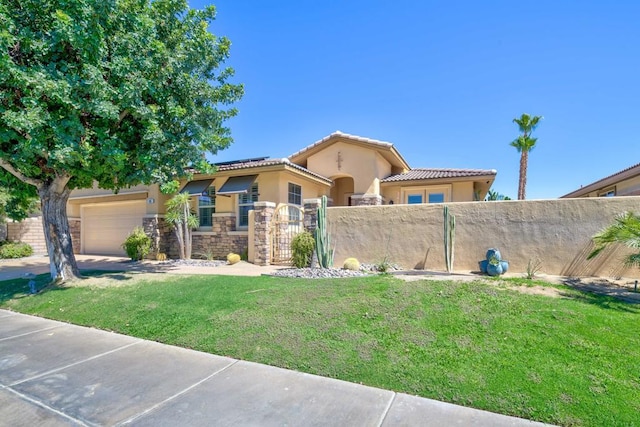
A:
137, 245
302, 247
351, 264
15, 250
233, 258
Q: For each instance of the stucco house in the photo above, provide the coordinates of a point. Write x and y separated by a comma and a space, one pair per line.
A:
348, 169
623, 183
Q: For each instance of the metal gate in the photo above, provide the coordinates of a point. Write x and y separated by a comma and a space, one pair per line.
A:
286, 224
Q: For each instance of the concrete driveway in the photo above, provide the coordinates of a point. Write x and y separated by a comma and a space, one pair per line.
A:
39, 264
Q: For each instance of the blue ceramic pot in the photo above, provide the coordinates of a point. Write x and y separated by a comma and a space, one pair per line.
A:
505, 266
483, 266
493, 252
494, 269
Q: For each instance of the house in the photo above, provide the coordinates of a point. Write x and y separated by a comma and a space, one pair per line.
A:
348, 169
623, 183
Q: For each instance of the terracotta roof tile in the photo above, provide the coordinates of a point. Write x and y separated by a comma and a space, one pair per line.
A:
268, 162
434, 173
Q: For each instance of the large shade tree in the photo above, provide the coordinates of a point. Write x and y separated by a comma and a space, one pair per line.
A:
118, 92
524, 144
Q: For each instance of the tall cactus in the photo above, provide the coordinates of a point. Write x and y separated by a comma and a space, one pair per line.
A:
323, 239
449, 238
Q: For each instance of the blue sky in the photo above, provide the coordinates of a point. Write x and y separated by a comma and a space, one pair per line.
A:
442, 80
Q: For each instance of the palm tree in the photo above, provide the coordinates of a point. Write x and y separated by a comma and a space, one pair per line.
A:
625, 230
525, 143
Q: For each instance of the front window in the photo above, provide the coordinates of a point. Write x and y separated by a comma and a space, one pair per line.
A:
245, 204
414, 199
436, 197
207, 207
295, 198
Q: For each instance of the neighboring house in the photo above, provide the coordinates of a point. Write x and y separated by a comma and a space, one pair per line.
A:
348, 169
623, 183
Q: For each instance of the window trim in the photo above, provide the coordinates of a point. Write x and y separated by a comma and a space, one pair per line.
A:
210, 206
251, 193
425, 190
290, 193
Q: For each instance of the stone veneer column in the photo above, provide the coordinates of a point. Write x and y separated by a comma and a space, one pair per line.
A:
263, 214
366, 200
74, 229
311, 214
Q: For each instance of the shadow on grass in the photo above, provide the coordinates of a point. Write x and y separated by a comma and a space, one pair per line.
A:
603, 290
19, 287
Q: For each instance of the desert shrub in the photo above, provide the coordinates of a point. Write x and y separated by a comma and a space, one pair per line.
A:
302, 247
233, 258
137, 245
15, 250
351, 264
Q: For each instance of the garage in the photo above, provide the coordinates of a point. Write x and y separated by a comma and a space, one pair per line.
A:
105, 226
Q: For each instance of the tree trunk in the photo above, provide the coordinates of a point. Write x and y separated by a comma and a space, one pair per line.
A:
187, 233
53, 197
180, 238
522, 183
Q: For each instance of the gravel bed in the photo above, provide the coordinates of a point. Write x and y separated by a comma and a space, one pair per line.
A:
194, 262
318, 273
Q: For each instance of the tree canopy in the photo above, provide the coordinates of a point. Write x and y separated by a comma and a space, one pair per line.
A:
119, 92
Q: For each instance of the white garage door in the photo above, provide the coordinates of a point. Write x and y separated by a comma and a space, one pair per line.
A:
106, 226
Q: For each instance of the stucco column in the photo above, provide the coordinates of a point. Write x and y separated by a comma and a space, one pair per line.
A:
263, 214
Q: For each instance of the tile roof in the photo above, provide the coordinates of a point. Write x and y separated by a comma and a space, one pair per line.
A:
434, 173
260, 162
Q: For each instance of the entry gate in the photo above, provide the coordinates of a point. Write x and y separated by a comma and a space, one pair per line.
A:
287, 222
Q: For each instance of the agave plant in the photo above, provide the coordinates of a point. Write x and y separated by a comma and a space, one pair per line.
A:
624, 230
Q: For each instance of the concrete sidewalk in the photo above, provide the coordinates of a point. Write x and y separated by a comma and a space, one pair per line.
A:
56, 374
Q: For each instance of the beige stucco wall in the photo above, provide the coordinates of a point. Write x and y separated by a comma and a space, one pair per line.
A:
95, 195
28, 231
364, 165
558, 232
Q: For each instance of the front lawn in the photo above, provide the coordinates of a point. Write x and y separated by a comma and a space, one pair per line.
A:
572, 360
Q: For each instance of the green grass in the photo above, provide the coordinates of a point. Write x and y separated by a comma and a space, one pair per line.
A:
571, 361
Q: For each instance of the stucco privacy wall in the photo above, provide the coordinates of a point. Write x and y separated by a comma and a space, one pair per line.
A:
28, 231
558, 232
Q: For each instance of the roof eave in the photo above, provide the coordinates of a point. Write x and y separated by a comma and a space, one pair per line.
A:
605, 182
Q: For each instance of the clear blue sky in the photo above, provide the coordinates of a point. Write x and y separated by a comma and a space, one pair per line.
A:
442, 80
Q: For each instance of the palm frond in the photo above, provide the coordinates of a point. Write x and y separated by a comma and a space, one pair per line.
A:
625, 230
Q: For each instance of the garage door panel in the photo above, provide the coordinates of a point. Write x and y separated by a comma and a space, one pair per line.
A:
105, 227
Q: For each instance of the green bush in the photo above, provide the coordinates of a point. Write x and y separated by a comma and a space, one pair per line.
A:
15, 250
302, 249
137, 245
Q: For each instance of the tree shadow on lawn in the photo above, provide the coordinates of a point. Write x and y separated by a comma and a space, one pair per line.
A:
19, 288
603, 294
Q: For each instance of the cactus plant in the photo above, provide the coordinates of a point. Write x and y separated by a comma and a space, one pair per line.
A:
449, 238
351, 264
233, 258
324, 251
